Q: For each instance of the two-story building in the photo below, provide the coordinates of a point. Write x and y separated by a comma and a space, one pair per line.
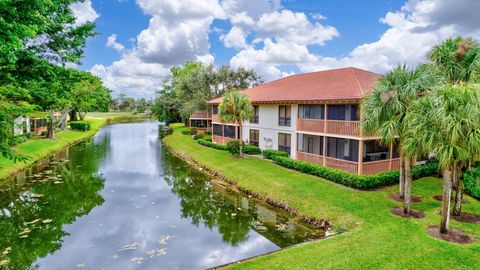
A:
314, 117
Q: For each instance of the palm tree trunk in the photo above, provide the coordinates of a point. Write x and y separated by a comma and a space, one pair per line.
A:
402, 176
407, 186
457, 208
241, 139
447, 192
455, 176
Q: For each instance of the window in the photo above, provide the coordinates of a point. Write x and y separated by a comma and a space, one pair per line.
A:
345, 149
347, 112
217, 130
284, 142
374, 151
256, 114
284, 114
198, 123
316, 111
254, 137
229, 131
310, 144
214, 109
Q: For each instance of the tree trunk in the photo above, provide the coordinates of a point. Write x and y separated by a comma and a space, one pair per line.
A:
50, 128
457, 208
407, 186
402, 176
455, 175
241, 140
73, 116
447, 191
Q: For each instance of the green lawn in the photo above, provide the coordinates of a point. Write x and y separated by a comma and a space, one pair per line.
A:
375, 237
39, 148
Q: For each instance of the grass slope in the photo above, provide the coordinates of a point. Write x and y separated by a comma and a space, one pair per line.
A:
40, 148
375, 238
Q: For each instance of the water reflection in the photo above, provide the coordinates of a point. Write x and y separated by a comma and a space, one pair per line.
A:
120, 201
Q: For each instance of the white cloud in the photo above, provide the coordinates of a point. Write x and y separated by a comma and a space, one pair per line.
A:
84, 12
112, 43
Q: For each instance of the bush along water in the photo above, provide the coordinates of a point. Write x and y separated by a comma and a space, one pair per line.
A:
271, 153
188, 131
350, 179
80, 125
212, 145
471, 180
233, 147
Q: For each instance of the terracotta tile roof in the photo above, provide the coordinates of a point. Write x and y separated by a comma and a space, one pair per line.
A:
329, 85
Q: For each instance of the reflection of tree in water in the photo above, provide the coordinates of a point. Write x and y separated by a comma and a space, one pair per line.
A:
234, 215
38, 214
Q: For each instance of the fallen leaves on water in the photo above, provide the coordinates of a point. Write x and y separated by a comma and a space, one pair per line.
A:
138, 260
132, 246
25, 231
156, 252
33, 221
164, 239
7, 251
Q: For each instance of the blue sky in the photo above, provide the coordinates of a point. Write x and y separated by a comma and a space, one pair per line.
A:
139, 40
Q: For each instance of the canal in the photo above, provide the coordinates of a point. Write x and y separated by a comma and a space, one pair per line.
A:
120, 200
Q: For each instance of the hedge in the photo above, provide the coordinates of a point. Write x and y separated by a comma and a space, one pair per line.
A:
188, 131
271, 153
80, 125
212, 145
350, 179
471, 181
251, 150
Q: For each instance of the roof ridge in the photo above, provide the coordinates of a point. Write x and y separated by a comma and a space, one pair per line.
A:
356, 80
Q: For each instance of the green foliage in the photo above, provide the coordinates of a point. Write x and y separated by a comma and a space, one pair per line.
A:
269, 154
197, 136
189, 131
471, 181
233, 147
190, 86
353, 180
209, 133
235, 108
251, 150
80, 125
18, 139
212, 145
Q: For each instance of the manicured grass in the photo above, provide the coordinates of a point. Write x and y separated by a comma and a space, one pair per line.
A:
376, 239
40, 148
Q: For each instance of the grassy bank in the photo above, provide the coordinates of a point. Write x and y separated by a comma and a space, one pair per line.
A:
375, 238
39, 148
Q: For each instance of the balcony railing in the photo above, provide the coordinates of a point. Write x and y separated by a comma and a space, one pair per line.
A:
340, 164
312, 158
201, 115
311, 125
348, 128
373, 167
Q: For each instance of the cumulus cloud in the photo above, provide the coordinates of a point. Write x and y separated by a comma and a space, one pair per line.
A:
84, 12
112, 43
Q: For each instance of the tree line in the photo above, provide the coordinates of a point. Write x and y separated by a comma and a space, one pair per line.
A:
190, 86
39, 39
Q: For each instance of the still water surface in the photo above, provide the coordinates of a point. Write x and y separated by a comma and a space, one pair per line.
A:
121, 201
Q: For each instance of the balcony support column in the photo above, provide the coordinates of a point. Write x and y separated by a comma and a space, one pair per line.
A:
360, 157
325, 137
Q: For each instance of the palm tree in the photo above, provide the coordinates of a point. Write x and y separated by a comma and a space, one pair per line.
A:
235, 108
458, 60
387, 107
447, 124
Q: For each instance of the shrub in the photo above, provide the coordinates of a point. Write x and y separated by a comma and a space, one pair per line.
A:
80, 125
18, 139
251, 150
353, 180
233, 147
209, 133
212, 145
188, 131
471, 180
197, 136
271, 153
